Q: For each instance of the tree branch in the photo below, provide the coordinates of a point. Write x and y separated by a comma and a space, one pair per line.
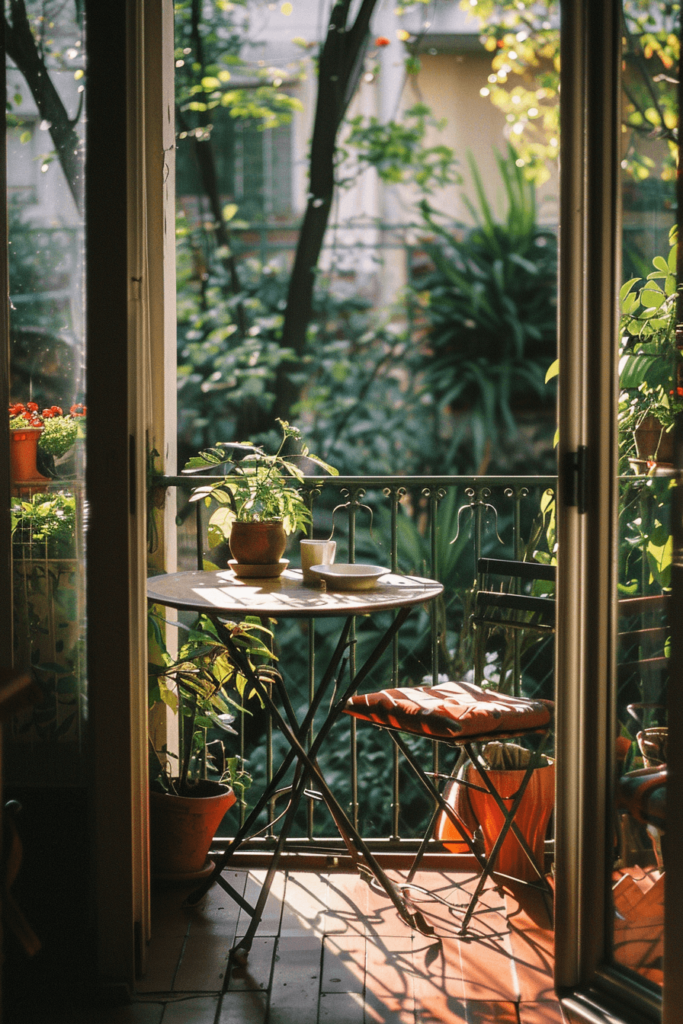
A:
22, 49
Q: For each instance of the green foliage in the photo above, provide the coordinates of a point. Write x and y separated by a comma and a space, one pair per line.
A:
649, 357
208, 54
203, 685
59, 434
260, 488
523, 37
488, 307
224, 377
44, 526
397, 152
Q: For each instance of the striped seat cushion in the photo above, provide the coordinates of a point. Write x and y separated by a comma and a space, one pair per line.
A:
643, 794
450, 711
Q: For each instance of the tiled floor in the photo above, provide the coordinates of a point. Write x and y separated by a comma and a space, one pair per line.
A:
332, 951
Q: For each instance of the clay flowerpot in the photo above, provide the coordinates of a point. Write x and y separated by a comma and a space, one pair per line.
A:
23, 454
653, 443
532, 817
258, 543
182, 829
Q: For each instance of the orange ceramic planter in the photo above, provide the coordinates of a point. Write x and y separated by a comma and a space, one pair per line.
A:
182, 828
258, 543
532, 817
23, 454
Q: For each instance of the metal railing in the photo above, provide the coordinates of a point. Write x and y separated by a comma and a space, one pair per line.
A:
431, 526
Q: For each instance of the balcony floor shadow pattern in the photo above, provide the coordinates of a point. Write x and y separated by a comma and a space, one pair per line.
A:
331, 950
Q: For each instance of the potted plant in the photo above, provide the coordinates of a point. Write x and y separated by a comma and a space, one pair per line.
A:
650, 368
186, 808
258, 498
40, 435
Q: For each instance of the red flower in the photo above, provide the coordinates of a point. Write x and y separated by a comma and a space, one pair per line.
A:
17, 409
47, 414
27, 416
56, 411
32, 406
382, 41
36, 422
78, 410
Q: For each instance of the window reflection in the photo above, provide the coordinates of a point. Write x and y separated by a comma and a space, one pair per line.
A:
45, 152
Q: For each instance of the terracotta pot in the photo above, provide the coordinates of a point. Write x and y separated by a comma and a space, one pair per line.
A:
182, 828
258, 543
652, 442
23, 454
444, 829
532, 817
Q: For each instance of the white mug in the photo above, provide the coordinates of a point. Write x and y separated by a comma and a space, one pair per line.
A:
316, 552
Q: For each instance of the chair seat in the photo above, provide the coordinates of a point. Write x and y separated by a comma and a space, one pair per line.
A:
451, 711
643, 794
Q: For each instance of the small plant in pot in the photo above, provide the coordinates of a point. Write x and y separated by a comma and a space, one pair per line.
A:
258, 497
201, 685
38, 438
650, 367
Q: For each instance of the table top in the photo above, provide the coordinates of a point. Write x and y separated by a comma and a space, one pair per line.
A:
286, 596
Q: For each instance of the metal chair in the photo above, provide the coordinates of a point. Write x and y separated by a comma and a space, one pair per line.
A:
465, 716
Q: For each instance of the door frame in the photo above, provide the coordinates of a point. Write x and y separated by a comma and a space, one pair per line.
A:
590, 277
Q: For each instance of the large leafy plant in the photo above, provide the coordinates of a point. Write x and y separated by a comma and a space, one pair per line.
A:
649, 358
204, 686
260, 488
489, 308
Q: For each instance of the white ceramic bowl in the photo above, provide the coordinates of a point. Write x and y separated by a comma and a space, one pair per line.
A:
349, 577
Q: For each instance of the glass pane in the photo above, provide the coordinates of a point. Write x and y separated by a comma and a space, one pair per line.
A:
650, 397
45, 152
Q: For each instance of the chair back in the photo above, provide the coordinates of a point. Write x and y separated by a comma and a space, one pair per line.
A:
503, 601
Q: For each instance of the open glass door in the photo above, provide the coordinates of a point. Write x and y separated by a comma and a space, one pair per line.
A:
621, 397
650, 398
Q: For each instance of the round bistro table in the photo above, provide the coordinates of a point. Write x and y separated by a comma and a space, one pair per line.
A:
221, 595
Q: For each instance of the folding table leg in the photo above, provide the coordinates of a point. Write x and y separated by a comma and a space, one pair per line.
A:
354, 842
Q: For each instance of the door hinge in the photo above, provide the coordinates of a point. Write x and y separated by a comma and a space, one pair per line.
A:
575, 478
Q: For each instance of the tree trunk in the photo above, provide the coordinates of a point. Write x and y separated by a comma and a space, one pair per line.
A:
339, 69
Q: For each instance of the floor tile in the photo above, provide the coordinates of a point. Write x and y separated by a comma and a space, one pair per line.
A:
341, 1008
272, 912
532, 943
243, 1007
336, 952
488, 966
381, 916
347, 904
305, 903
390, 978
343, 964
203, 964
438, 1008
541, 1013
438, 971
218, 913
195, 1010
296, 980
163, 957
491, 1012
251, 972
135, 1013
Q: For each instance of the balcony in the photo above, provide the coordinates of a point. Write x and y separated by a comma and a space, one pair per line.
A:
331, 950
